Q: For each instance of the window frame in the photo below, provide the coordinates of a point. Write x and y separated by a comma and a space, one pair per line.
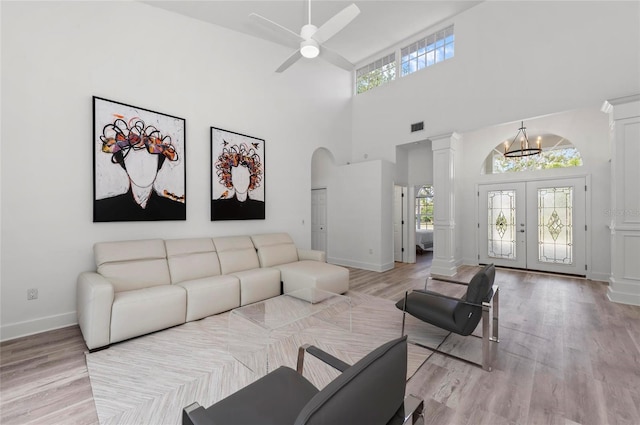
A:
427, 199
439, 45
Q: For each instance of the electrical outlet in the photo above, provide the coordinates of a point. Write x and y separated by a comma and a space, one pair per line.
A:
32, 294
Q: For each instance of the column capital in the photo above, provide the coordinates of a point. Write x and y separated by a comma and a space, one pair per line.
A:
622, 107
445, 141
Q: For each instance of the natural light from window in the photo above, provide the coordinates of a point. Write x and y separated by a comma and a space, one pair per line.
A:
376, 73
418, 55
424, 208
428, 51
557, 152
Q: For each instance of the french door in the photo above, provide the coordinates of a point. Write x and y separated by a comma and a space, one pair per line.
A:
535, 225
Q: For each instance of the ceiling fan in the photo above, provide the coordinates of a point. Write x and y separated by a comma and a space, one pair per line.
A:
312, 38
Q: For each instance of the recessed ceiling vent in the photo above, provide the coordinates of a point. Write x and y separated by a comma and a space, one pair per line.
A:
417, 126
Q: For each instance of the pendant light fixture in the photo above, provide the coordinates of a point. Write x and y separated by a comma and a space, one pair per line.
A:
511, 151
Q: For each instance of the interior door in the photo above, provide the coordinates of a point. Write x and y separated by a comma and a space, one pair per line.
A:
535, 225
398, 223
319, 219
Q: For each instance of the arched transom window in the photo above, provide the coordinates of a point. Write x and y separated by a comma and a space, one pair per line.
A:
557, 152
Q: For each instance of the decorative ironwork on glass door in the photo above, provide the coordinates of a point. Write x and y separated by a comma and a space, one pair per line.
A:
555, 225
501, 225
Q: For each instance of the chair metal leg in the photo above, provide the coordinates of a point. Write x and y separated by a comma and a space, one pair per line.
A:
413, 408
496, 310
300, 363
486, 337
404, 312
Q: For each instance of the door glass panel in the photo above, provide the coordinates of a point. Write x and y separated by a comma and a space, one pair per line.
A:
555, 228
501, 225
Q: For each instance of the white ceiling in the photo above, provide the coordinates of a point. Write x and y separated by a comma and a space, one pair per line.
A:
381, 23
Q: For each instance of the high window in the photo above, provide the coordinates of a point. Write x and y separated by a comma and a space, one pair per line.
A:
424, 208
425, 52
376, 73
428, 51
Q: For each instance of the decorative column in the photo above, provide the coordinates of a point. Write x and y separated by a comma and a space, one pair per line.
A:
624, 118
444, 212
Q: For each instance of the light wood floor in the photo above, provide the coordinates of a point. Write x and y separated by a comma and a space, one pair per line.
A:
567, 356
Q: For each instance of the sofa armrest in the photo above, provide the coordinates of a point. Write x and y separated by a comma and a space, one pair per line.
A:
311, 254
95, 296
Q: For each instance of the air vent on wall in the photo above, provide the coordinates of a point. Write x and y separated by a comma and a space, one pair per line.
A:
417, 126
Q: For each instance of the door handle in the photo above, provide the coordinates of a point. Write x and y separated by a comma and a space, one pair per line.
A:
521, 230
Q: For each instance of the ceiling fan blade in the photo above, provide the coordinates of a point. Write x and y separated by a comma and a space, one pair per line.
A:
290, 36
336, 24
334, 58
290, 61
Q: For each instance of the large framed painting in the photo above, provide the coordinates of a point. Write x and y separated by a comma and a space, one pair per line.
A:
139, 171
237, 176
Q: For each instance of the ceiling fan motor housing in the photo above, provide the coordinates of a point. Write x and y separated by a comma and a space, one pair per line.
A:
307, 31
309, 48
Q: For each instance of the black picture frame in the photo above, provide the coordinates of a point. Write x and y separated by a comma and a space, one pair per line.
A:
236, 156
139, 163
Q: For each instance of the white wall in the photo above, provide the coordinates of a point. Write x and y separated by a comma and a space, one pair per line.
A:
420, 166
57, 55
360, 215
588, 130
513, 60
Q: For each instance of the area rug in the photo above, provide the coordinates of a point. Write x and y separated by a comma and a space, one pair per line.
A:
150, 379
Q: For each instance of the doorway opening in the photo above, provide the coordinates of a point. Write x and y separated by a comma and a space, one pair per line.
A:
424, 219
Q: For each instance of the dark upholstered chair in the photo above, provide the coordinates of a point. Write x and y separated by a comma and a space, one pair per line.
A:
370, 392
459, 315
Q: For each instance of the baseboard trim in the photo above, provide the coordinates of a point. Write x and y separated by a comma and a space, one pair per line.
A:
36, 326
622, 298
361, 265
623, 292
444, 267
598, 276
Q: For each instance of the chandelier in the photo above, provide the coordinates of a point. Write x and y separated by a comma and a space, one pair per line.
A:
525, 149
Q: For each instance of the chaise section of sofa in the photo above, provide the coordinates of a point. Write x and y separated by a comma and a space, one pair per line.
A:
130, 294
299, 268
194, 265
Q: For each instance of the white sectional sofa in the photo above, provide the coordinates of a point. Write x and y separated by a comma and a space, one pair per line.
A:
147, 285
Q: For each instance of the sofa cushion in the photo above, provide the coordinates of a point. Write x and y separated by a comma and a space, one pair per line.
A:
258, 284
131, 265
141, 311
211, 295
114, 252
314, 274
132, 275
236, 253
274, 255
274, 249
190, 259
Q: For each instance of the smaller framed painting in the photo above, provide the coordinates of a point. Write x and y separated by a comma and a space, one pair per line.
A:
139, 169
237, 176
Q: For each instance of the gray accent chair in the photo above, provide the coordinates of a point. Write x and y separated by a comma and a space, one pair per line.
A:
459, 315
370, 392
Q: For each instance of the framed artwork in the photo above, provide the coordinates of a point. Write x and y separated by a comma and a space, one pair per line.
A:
139, 169
237, 176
